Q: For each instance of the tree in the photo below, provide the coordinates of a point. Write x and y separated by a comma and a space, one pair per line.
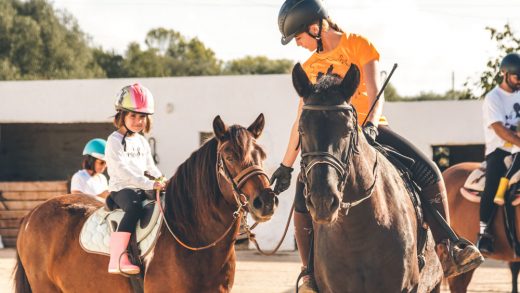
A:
257, 65
37, 42
506, 43
391, 94
112, 64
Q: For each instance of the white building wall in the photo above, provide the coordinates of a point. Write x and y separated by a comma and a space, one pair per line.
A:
186, 106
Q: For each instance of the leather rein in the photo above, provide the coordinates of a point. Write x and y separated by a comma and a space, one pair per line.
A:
342, 166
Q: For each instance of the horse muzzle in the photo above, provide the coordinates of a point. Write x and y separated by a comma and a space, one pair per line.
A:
264, 205
324, 207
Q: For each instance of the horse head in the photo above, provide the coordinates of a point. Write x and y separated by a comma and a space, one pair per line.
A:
241, 177
328, 134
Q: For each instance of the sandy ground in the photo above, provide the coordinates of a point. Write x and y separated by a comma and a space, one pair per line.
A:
277, 274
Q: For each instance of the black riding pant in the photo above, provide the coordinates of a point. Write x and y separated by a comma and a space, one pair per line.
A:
424, 171
130, 200
495, 169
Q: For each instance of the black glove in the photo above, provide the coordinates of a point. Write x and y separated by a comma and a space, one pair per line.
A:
282, 176
370, 131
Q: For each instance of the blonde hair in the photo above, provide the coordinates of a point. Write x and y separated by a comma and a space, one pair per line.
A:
119, 121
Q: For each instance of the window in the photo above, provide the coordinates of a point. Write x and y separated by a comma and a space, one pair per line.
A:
446, 156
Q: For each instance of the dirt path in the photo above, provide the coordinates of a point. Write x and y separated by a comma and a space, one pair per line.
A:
277, 274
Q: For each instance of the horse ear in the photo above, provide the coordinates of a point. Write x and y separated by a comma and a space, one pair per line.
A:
350, 82
257, 127
301, 82
219, 128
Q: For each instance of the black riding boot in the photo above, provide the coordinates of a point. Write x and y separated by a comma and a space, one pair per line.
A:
302, 231
457, 255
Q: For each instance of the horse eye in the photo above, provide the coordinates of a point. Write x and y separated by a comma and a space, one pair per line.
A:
229, 158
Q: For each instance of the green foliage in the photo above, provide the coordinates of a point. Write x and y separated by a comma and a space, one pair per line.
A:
113, 64
391, 94
257, 65
506, 43
37, 42
431, 96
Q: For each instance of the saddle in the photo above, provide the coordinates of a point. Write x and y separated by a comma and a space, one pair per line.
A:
95, 234
474, 185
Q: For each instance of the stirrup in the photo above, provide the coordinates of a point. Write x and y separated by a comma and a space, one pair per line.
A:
458, 257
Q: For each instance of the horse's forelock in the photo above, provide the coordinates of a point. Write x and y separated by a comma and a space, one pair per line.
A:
327, 89
241, 142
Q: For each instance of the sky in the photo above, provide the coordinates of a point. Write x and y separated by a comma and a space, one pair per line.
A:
430, 40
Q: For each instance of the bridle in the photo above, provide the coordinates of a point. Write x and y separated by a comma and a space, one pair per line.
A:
342, 165
236, 182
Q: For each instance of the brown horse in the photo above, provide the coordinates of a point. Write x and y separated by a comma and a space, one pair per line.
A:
200, 205
371, 246
465, 219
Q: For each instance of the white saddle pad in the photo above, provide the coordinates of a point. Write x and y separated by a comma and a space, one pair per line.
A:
95, 234
477, 179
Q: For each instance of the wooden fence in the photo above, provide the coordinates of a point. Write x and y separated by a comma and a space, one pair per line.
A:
18, 198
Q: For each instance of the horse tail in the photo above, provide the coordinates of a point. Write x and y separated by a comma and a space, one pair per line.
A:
20, 277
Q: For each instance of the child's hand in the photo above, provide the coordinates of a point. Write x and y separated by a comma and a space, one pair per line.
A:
159, 185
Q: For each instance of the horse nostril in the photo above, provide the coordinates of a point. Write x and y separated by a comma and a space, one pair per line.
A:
257, 203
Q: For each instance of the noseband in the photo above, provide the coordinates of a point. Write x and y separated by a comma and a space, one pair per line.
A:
311, 159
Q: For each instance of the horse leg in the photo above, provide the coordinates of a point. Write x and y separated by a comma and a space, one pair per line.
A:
515, 268
459, 284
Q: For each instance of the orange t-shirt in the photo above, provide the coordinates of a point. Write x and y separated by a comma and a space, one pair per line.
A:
351, 49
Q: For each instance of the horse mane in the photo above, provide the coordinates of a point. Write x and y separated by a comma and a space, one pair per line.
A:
193, 194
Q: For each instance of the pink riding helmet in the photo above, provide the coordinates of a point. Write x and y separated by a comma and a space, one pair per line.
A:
135, 98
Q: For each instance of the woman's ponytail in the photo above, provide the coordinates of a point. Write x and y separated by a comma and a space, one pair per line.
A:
334, 25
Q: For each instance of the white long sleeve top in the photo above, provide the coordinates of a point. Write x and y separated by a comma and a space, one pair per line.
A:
126, 168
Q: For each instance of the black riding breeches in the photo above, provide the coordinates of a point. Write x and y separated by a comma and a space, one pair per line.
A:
424, 171
130, 200
495, 169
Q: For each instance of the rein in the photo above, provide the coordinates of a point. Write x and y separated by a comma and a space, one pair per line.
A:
341, 166
240, 198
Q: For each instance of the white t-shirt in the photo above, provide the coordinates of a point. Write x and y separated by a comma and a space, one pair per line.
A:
126, 169
504, 107
90, 185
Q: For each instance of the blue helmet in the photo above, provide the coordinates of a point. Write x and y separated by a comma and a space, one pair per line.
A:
95, 148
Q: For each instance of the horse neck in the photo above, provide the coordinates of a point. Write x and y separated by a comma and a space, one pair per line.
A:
196, 207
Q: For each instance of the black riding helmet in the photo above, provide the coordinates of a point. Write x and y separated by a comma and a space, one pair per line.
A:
511, 64
295, 16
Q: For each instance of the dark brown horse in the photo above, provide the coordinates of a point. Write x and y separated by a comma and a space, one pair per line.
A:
465, 219
365, 224
50, 258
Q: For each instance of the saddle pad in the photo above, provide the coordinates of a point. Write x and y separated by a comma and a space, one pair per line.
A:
477, 179
95, 234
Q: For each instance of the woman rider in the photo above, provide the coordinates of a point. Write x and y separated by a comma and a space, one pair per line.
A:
308, 22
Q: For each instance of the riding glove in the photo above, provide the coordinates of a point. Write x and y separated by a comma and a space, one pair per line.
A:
370, 131
282, 176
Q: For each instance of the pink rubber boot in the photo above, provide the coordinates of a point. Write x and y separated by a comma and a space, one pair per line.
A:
120, 263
